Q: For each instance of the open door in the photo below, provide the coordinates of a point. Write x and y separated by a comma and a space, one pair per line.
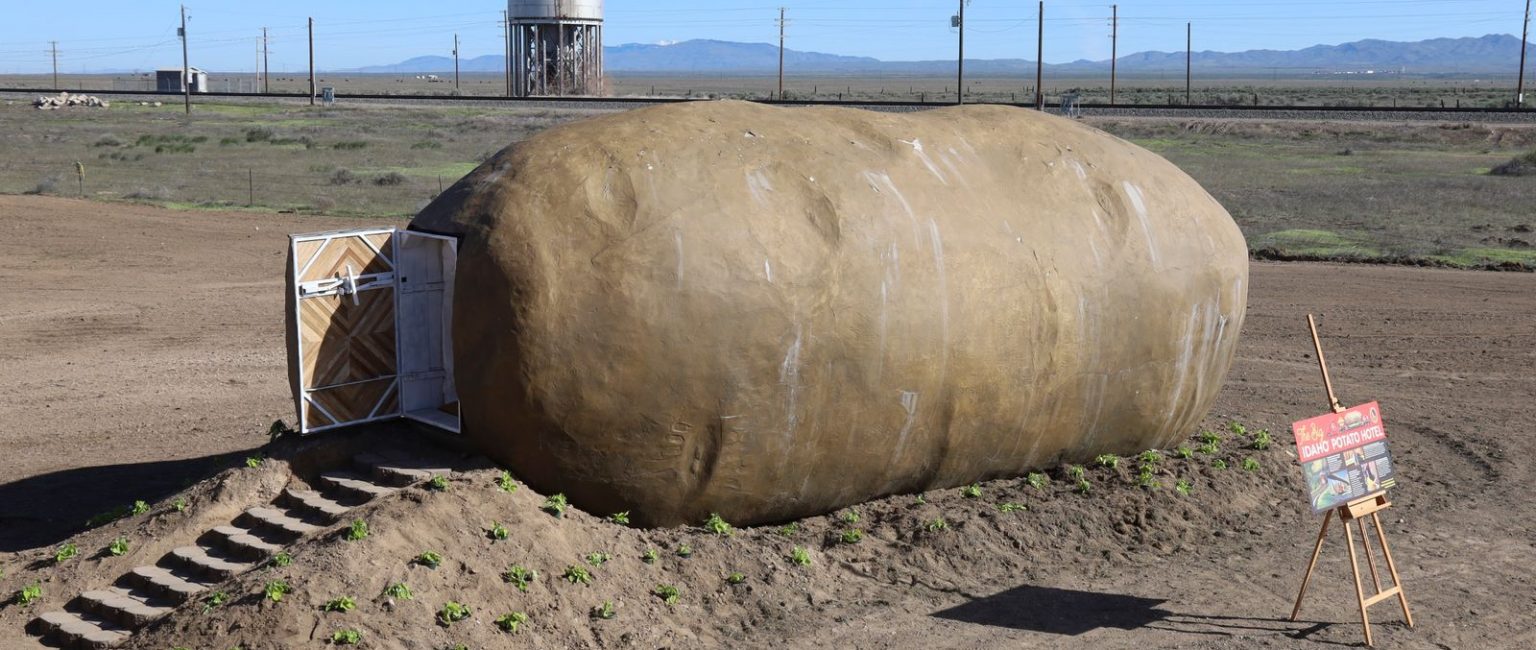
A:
369, 328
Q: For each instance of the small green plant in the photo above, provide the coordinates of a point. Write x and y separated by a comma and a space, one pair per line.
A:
1083, 486
620, 518
346, 637
452, 612
179, 505
254, 462
920, 500
1076, 472
341, 604
1219, 464
1011, 507
800, 556
439, 483
399, 590
214, 600
276, 589
735, 578
498, 532
1210, 437
604, 611
1184, 452
851, 536
509, 622
1210, 448
667, 593
1237, 428
1037, 480
1108, 460
107, 517
65, 552
1182, 486
1147, 478
936, 525
429, 559
849, 516
598, 559
788, 530
139, 508
1262, 439
717, 525
555, 505
357, 531
28, 594
684, 550
506, 482
118, 547
1250, 464
520, 576
282, 559
1151, 457
972, 491
577, 575
650, 556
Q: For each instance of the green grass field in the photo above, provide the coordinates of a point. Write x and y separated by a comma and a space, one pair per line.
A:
1308, 189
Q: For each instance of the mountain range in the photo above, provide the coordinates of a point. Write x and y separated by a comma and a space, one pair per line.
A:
1493, 53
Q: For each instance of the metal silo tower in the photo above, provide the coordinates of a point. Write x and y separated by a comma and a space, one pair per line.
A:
557, 47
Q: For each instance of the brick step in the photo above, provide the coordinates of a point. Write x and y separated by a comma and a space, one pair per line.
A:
207, 563
280, 523
314, 504
242, 542
117, 606
164, 583
70, 630
397, 472
354, 485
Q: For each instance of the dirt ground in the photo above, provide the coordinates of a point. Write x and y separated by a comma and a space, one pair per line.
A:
141, 352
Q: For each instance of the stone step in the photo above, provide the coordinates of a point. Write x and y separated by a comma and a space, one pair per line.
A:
398, 472
314, 503
209, 566
117, 606
70, 630
164, 583
241, 542
349, 483
278, 521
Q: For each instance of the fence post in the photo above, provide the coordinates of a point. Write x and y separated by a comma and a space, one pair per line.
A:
250, 177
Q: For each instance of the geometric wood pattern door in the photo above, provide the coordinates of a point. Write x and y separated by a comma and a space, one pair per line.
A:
343, 293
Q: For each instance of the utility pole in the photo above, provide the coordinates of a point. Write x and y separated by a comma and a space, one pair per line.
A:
311, 61
1189, 55
1525, 32
266, 67
56, 64
455, 63
186, 66
781, 54
1040, 61
1114, 48
960, 60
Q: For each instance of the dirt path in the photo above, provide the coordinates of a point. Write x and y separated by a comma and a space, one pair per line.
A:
151, 341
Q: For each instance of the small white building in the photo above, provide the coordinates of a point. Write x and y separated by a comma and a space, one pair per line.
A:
169, 80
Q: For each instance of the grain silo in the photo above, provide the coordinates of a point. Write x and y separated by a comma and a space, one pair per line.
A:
557, 47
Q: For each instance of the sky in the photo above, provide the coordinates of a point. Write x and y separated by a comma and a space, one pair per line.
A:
224, 36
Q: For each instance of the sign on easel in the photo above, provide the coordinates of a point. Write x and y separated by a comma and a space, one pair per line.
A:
1344, 457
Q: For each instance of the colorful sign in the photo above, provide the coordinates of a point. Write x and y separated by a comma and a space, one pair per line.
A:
1344, 456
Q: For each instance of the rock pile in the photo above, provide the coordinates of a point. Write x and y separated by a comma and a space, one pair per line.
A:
65, 99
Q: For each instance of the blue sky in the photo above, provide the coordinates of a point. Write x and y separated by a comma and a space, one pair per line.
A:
97, 34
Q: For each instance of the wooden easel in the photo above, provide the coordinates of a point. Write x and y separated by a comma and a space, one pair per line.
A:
1356, 511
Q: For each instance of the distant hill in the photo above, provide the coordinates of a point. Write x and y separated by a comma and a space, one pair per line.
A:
1491, 53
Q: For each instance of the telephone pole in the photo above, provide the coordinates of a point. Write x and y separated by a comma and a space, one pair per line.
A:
960, 68
781, 54
1040, 61
1114, 48
186, 66
456, 63
56, 64
311, 61
266, 68
1525, 32
1189, 55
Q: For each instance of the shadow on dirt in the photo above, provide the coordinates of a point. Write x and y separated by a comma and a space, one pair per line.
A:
1058, 611
43, 510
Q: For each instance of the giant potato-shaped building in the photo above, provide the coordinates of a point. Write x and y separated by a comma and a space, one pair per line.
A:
774, 312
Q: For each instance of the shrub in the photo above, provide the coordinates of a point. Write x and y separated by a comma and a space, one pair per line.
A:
107, 140
390, 179
427, 145
349, 145
258, 134
1522, 165
49, 185
343, 177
